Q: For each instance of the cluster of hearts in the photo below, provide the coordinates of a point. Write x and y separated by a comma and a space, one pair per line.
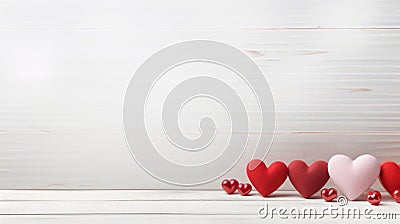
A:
351, 177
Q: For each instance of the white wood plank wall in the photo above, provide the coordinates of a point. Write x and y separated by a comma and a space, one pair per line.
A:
333, 66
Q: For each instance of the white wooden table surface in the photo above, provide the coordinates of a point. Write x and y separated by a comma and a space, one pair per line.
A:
166, 206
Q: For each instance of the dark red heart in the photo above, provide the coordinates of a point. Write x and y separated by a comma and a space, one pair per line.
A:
266, 180
390, 176
328, 194
308, 179
396, 195
374, 197
230, 186
244, 189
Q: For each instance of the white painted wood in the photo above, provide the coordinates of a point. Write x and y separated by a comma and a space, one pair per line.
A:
333, 67
75, 219
105, 206
141, 195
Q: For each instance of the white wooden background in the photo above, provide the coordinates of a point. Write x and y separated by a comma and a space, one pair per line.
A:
333, 66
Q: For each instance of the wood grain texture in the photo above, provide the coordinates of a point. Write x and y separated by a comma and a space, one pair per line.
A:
106, 206
333, 67
101, 219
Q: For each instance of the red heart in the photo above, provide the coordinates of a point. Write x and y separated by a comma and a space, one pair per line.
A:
230, 186
374, 197
390, 176
244, 189
308, 179
266, 180
396, 195
329, 194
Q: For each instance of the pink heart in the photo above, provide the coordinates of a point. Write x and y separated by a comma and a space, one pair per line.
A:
353, 178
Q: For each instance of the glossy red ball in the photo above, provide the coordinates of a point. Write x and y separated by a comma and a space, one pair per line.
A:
374, 197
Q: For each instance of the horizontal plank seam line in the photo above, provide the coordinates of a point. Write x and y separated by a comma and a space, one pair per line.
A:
116, 189
212, 28
155, 200
126, 213
2, 191
157, 213
324, 28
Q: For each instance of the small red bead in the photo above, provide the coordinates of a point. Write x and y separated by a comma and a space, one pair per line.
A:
374, 197
396, 195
